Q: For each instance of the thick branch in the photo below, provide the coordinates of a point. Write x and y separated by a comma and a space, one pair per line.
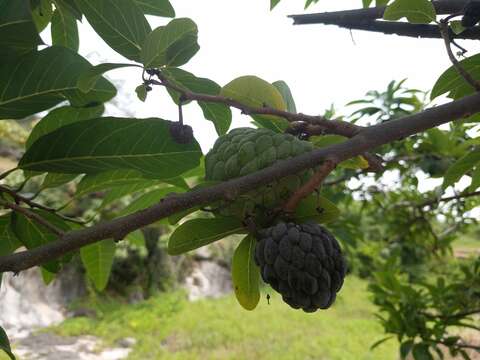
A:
366, 140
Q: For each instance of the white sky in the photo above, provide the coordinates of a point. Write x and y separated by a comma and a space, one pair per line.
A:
321, 64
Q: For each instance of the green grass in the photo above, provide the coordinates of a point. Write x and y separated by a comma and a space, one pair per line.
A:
169, 327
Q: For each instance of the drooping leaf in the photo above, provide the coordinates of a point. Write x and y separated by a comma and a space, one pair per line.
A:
47, 276
64, 29
255, 92
420, 352
119, 192
380, 342
41, 80
273, 3
120, 23
461, 166
284, 89
357, 162
98, 145
148, 199
317, 208
89, 78
219, 114
475, 183
136, 238
53, 180
70, 7
42, 14
5, 344
156, 7
18, 34
31, 234
453, 83
405, 348
416, 11
8, 240
141, 91
196, 233
171, 45
62, 116
98, 259
245, 274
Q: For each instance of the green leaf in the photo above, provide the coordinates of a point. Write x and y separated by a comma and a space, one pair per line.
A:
62, 116
453, 83
120, 23
118, 192
357, 162
42, 14
284, 89
245, 274
317, 208
8, 241
98, 145
4, 342
141, 91
420, 352
98, 260
64, 29
148, 199
156, 7
475, 183
255, 92
43, 79
53, 180
70, 7
273, 3
416, 11
136, 238
89, 78
18, 34
172, 45
380, 342
405, 348
219, 114
31, 234
47, 276
460, 167
457, 27
196, 233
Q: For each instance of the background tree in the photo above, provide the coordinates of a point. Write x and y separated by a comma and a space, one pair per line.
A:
159, 164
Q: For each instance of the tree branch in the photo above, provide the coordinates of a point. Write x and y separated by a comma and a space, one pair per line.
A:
444, 30
315, 181
367, 139
446, 199
31, 215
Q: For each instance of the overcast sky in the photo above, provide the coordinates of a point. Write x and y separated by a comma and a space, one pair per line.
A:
322, 64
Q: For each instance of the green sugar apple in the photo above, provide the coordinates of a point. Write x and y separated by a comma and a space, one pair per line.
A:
245, 150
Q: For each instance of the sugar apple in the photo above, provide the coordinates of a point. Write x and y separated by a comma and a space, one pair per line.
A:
304, 263
245, 150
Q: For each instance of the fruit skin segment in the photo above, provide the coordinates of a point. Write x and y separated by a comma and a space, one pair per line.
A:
303, 262
246, 150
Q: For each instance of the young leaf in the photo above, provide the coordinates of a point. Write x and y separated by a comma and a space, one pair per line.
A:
53, 180
98, 259
255, 92
219, 114
97, 145
120, 23
453, 83
89, 78
416, 11
171, 45
43, 79
8, 240
64, 29
141, 91
316, 208
62, 116
156, 7
18, 34
196, 233
31, 234
47, 276
460, 167
5, 344
273, 3
284, 89
245, 274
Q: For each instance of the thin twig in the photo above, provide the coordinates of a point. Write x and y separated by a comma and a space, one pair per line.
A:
444, 30
446, 199
35, 217
313, 184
